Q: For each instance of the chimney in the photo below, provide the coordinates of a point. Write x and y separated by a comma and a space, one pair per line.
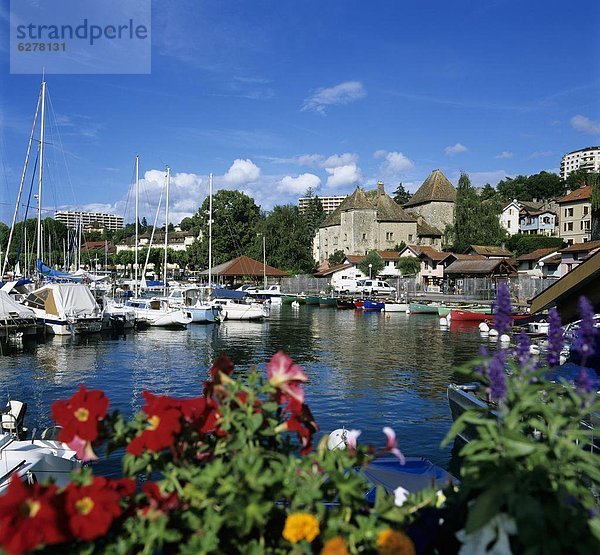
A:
380, 189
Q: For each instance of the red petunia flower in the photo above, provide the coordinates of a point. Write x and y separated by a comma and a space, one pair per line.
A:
80, 414
221, 364
93, 507
302, 422
286, 376
158, 503
30, 517
164, 421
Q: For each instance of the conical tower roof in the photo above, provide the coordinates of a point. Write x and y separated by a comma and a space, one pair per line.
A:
436, 188
356, 201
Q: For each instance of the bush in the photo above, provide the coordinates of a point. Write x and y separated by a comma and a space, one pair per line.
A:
524, 244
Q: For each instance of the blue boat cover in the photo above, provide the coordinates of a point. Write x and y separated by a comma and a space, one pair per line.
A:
222, 293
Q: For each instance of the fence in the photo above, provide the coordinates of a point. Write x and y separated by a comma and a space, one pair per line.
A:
305, 284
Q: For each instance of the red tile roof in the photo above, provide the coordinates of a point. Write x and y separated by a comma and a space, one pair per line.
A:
245, 266
536, 254
582, 247
583, 193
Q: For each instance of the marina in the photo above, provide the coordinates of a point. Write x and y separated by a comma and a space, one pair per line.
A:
402, 382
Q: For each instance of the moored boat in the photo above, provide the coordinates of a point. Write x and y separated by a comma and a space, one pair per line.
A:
423, 308
314, 300
346, 304
328, 302
158, 313
395, 307
470, 316
373, 306
237, 310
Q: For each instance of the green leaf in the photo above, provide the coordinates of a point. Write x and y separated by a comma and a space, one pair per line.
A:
486, 506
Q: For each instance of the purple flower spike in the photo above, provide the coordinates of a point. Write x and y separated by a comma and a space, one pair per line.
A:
522, 354
584, 383
555, 338
496, 375
503, 310
584, 342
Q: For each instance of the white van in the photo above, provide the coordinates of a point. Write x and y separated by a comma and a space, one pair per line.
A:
376, 287
349, 286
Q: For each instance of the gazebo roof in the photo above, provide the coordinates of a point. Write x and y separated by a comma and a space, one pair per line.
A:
245, 266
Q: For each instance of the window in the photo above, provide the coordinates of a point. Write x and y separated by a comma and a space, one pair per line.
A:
364, 236
508, 224
410, 237
345, 236
586, 224
586, 210
510, 213
569, 226
389, 236
570, 212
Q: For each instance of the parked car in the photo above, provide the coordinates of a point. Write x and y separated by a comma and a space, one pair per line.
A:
376, 287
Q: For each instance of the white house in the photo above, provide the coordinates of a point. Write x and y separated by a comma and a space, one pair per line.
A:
509, 218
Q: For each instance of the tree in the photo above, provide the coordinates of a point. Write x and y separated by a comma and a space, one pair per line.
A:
488, 193
313, 213
401, 195
235, 221
513, 188
375, 261
409, 265
594, 182
336, 257
186, 224
288, 244
476, 222
544, 185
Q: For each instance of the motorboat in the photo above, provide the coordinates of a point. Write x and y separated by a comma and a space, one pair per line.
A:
32, 460
272, 293
395, 306
373, 306
16, 320
191, 300
158, 313
65, 308
423, 308
232, 309
116, 316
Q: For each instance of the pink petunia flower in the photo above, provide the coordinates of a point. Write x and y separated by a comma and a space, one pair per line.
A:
286, 376
392, 445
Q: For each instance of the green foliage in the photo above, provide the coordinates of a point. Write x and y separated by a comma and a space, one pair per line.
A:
235, 224
489, 193
314, 213
532, 464
401, 195
523, 244
376, 262
336, 257
540, 186
476, 222
288, 240
409, 265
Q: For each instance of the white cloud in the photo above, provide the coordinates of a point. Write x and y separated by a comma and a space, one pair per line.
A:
342, 176
298, 184
455, 149
585, 125
504, 155
479, 179
341, 94
241, 173
395, 163
339, 160
319, 160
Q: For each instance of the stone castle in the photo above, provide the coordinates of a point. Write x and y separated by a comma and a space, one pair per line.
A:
372, 220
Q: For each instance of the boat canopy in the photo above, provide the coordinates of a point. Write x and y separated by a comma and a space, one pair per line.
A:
63, 299
9, 308
222, 293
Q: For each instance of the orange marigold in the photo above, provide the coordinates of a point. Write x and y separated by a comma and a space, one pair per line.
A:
300, 526
391, 542
335, 546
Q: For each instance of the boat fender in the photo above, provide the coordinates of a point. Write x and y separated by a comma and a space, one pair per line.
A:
493, 332
337, 439
504, 338
484, 328
534, 350
443, 322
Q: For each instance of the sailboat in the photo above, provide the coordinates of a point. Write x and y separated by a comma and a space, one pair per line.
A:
63, 308
155, 311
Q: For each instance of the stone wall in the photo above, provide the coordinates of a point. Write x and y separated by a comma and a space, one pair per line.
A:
438, 214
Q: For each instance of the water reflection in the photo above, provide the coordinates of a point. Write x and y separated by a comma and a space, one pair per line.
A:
366, 370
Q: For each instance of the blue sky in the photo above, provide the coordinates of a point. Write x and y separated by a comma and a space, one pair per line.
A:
274, 96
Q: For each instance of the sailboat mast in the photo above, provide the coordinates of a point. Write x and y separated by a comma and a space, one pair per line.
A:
210, 195
137, 207
18, 202
166, 232
40, 174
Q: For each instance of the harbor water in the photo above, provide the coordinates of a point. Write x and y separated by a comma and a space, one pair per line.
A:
365, 370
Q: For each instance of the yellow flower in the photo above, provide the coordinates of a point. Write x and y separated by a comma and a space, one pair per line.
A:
390, 542
300, 526
335, 546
